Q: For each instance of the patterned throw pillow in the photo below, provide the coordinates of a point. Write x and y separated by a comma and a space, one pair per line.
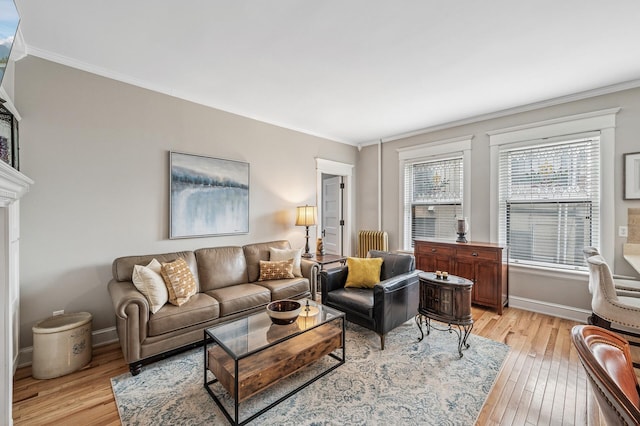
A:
276, 270
363, 273
180, 282
148, 280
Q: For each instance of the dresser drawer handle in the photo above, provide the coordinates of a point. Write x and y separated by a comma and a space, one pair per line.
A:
474, 254
434, 250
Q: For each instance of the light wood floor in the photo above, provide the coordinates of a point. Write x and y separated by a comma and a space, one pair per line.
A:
541, 383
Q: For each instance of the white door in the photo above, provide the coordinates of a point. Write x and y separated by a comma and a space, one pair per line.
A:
331, 215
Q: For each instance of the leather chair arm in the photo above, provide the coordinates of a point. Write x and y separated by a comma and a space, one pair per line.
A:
332, 279
397, 283
395, 300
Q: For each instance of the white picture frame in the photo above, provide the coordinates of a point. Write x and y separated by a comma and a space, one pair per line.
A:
632, 176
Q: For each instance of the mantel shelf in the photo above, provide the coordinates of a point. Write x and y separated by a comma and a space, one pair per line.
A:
13, 184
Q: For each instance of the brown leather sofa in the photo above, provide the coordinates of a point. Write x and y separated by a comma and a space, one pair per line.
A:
228, 288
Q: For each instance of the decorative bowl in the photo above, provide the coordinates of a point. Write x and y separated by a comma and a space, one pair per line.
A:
284, 312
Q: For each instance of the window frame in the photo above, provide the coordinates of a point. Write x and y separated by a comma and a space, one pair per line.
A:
604, 122
430, 152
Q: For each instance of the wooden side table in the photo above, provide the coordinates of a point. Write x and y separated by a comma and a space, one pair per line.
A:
324, 260
447, 301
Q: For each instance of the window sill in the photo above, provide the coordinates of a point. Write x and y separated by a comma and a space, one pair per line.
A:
541, 271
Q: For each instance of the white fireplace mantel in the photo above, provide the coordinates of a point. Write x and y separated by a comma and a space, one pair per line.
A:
13, 185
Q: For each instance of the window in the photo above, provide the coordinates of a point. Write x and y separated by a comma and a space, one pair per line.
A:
434, 189
432, 198
549, 200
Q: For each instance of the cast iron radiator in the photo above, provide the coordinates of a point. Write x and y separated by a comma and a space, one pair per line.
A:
372, 240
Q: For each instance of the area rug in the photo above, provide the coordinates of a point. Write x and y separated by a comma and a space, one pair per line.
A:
409, 383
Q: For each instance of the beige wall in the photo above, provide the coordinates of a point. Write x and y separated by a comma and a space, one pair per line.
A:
98, 152
547, 288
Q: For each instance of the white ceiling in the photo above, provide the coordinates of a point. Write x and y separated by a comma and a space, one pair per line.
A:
354, 71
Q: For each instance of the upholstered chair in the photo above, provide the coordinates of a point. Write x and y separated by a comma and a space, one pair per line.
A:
606, 358
391, 302
624, 287
608, 307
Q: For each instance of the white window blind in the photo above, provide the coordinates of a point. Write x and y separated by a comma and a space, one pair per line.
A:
433, 197
549, 201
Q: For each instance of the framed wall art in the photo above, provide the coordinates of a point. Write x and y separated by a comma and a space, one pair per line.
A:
632, 176
8, 138
208, 196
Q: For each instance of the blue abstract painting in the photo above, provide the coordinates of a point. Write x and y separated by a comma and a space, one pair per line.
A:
209, 196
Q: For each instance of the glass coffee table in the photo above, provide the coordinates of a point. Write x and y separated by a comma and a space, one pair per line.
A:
250, 354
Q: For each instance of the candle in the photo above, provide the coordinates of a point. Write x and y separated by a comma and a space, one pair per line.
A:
461, 226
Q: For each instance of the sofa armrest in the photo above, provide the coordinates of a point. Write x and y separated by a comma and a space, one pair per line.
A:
332, 279
132, 317
310, 270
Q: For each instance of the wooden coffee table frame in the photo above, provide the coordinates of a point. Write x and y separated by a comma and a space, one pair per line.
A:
324, 338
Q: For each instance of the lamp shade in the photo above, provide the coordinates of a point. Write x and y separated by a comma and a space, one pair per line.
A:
306, 215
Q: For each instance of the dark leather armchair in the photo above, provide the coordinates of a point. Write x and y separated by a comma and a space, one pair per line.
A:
606, 358
391, 302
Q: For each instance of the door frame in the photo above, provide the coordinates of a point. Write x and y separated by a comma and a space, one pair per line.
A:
345, 170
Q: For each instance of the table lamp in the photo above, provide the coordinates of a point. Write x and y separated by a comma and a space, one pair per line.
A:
306, 216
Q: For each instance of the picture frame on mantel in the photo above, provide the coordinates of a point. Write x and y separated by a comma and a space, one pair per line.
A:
632, 176
208, 196
9, 149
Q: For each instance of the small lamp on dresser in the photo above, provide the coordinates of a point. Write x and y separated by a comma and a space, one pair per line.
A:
306, 216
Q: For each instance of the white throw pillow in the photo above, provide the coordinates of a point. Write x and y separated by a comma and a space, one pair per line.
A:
276, 255
149, 282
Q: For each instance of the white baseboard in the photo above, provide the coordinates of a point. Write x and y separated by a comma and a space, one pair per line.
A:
548, 308
99, 338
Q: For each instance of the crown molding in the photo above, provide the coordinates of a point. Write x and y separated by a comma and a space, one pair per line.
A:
104, 72
605, 90
124, 78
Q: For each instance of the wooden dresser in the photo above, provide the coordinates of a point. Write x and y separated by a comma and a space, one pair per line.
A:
486, 264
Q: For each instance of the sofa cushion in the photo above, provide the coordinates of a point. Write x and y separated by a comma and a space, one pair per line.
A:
220, 267
254, 253
179, 280
276, 254
148, 280
276, 270
200, 308
363, 273
241, 297
122, 267
287, 289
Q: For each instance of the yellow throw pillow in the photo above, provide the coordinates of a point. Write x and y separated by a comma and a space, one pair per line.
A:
363, 273
180, 282
276, 270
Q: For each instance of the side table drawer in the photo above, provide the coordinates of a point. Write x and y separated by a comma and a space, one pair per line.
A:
478, 252
434, 250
